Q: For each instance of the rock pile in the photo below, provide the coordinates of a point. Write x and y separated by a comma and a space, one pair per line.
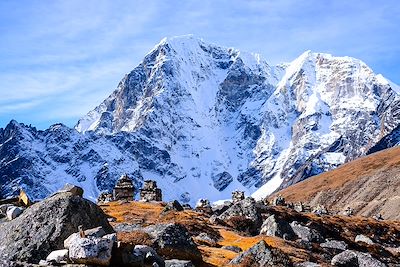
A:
150, 192
124, 189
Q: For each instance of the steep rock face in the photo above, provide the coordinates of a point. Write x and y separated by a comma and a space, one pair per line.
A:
206, 120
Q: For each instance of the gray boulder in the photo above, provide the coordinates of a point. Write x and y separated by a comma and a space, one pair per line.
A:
366, 260
178, 263
13, 212
173, 241
307, 264
273, 226
73, 189
305, 233
346, 258
245, 210
354, 258
91, 251
334, 246
44, 226
58, 256
173, 206
363, 238
263, 255
232, 248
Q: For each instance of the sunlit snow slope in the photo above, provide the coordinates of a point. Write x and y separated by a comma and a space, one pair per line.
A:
204, 120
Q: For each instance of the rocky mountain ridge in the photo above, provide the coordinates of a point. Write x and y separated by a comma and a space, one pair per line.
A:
200, 118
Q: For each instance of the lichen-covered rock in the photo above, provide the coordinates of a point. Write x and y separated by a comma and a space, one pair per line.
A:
91, 251
173, 205
346, 258
246, 210
173, 241
334, 245
365, 239
305, 233
44, 226
273, 226
262, 255
73, 189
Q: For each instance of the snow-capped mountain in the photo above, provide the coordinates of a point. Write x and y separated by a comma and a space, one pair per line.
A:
204, 120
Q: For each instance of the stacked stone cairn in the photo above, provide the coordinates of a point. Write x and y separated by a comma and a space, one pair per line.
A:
150, 192
124, 189
237, 196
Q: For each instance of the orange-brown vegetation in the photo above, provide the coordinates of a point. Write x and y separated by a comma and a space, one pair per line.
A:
369, 185
340, 227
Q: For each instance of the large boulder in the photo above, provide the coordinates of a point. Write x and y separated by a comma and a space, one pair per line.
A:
173, 241
58, 256
262, 255
91, 251
305, 233
243, 213
350, 258
45, 225
273, 226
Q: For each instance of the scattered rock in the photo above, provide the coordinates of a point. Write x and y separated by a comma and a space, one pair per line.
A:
232, 248
237, 196
178, 263
320, 210
334, 246
279, 201
305, 233
366, 260
91, 250
186, 206
243, 216
205, 239
219, 209
262, 255
13, 212
105, 197
203, 205
299, 207
273, 226
173, 205
348, 212
46, 225
58, 256
363, 238
346, 258
125, 255
173, 241
73, 189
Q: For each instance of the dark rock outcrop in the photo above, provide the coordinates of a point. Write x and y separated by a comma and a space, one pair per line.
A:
262, 255
44, 226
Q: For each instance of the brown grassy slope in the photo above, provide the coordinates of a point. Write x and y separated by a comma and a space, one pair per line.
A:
340, 227
369, 185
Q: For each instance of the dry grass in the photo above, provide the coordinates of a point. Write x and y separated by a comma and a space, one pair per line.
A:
370, 185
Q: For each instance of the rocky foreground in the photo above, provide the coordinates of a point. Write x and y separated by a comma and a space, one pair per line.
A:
68, 229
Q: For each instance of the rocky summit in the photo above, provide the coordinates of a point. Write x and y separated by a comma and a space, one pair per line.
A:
203, 120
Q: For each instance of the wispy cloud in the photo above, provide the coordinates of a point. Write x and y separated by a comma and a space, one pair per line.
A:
58, 59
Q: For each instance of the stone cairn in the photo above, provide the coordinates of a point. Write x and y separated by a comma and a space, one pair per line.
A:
124, 189
150, 192
299, 207
203, 205
237, 196
320, 210
348, 212
279, 201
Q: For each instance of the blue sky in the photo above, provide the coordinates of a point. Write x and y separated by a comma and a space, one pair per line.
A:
59, 59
